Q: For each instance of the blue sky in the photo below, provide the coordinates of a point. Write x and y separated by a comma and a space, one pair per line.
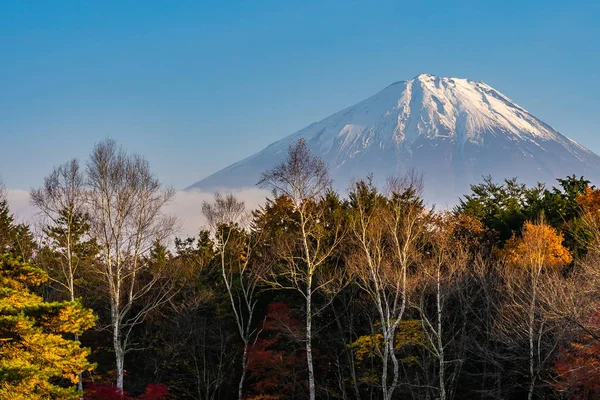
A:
197, 85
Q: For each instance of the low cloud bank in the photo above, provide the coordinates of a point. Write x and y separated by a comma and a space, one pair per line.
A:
186, 206
20, 206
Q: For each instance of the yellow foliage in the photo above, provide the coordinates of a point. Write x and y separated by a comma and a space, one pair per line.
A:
34, 353
540, 245
408, 333
366, 346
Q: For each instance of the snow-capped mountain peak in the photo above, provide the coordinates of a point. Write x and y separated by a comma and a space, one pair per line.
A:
453, 130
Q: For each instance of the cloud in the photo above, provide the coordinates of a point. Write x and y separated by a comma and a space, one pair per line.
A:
186, 206
20, 206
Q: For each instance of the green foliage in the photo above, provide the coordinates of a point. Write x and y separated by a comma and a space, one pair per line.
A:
501, 207
504, 207
15, 239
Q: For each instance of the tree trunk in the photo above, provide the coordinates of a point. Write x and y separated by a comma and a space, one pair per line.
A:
440, 341
120, 359
119, 352
385, 363
531, 344
72, 296
79, 376
309, 360
244, 362
395, 365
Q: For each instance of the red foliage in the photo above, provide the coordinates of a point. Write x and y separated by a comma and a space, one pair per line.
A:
276, 360
155, 392
280, 319
104, 392
110, 392
578, 365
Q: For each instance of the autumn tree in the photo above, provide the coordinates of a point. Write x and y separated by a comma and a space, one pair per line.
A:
589, 203
304, 180
442, 278
193, 338
576, 301
386, 235
228, 220
61, 201
36, 359
125, 202
277, 357
532, 258
504, 207
577, 364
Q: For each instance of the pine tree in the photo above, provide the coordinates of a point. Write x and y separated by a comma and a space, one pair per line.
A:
36, 359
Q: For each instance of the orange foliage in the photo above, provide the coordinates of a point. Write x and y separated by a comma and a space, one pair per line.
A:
578, 365
590, 201
540, 245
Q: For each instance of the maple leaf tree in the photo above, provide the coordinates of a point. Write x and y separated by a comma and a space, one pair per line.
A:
274, 361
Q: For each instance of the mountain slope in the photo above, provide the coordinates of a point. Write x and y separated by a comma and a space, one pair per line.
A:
451, 130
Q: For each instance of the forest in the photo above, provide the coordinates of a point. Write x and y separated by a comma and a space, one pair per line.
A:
373, 294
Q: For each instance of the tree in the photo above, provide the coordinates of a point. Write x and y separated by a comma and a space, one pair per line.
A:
103, 392
125, 203
227, 218
61, 200
303, 179
386, 235
577, 364
276, 358
36, 360
194, 336
533, 256
15, 238
443, 275
590, 206
7, 229
502, 207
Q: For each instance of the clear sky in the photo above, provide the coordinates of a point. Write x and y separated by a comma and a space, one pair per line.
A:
197, 85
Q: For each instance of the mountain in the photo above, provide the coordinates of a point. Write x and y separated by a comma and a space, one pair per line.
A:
451, 130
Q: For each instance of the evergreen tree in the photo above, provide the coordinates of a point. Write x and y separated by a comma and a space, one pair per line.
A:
36, 359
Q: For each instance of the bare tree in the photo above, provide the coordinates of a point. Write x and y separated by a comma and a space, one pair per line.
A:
576, 297
304, 180
227, 218
125, 203
442, 272
387, 235
61, 200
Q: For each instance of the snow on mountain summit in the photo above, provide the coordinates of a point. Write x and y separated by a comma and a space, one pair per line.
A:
452, 130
